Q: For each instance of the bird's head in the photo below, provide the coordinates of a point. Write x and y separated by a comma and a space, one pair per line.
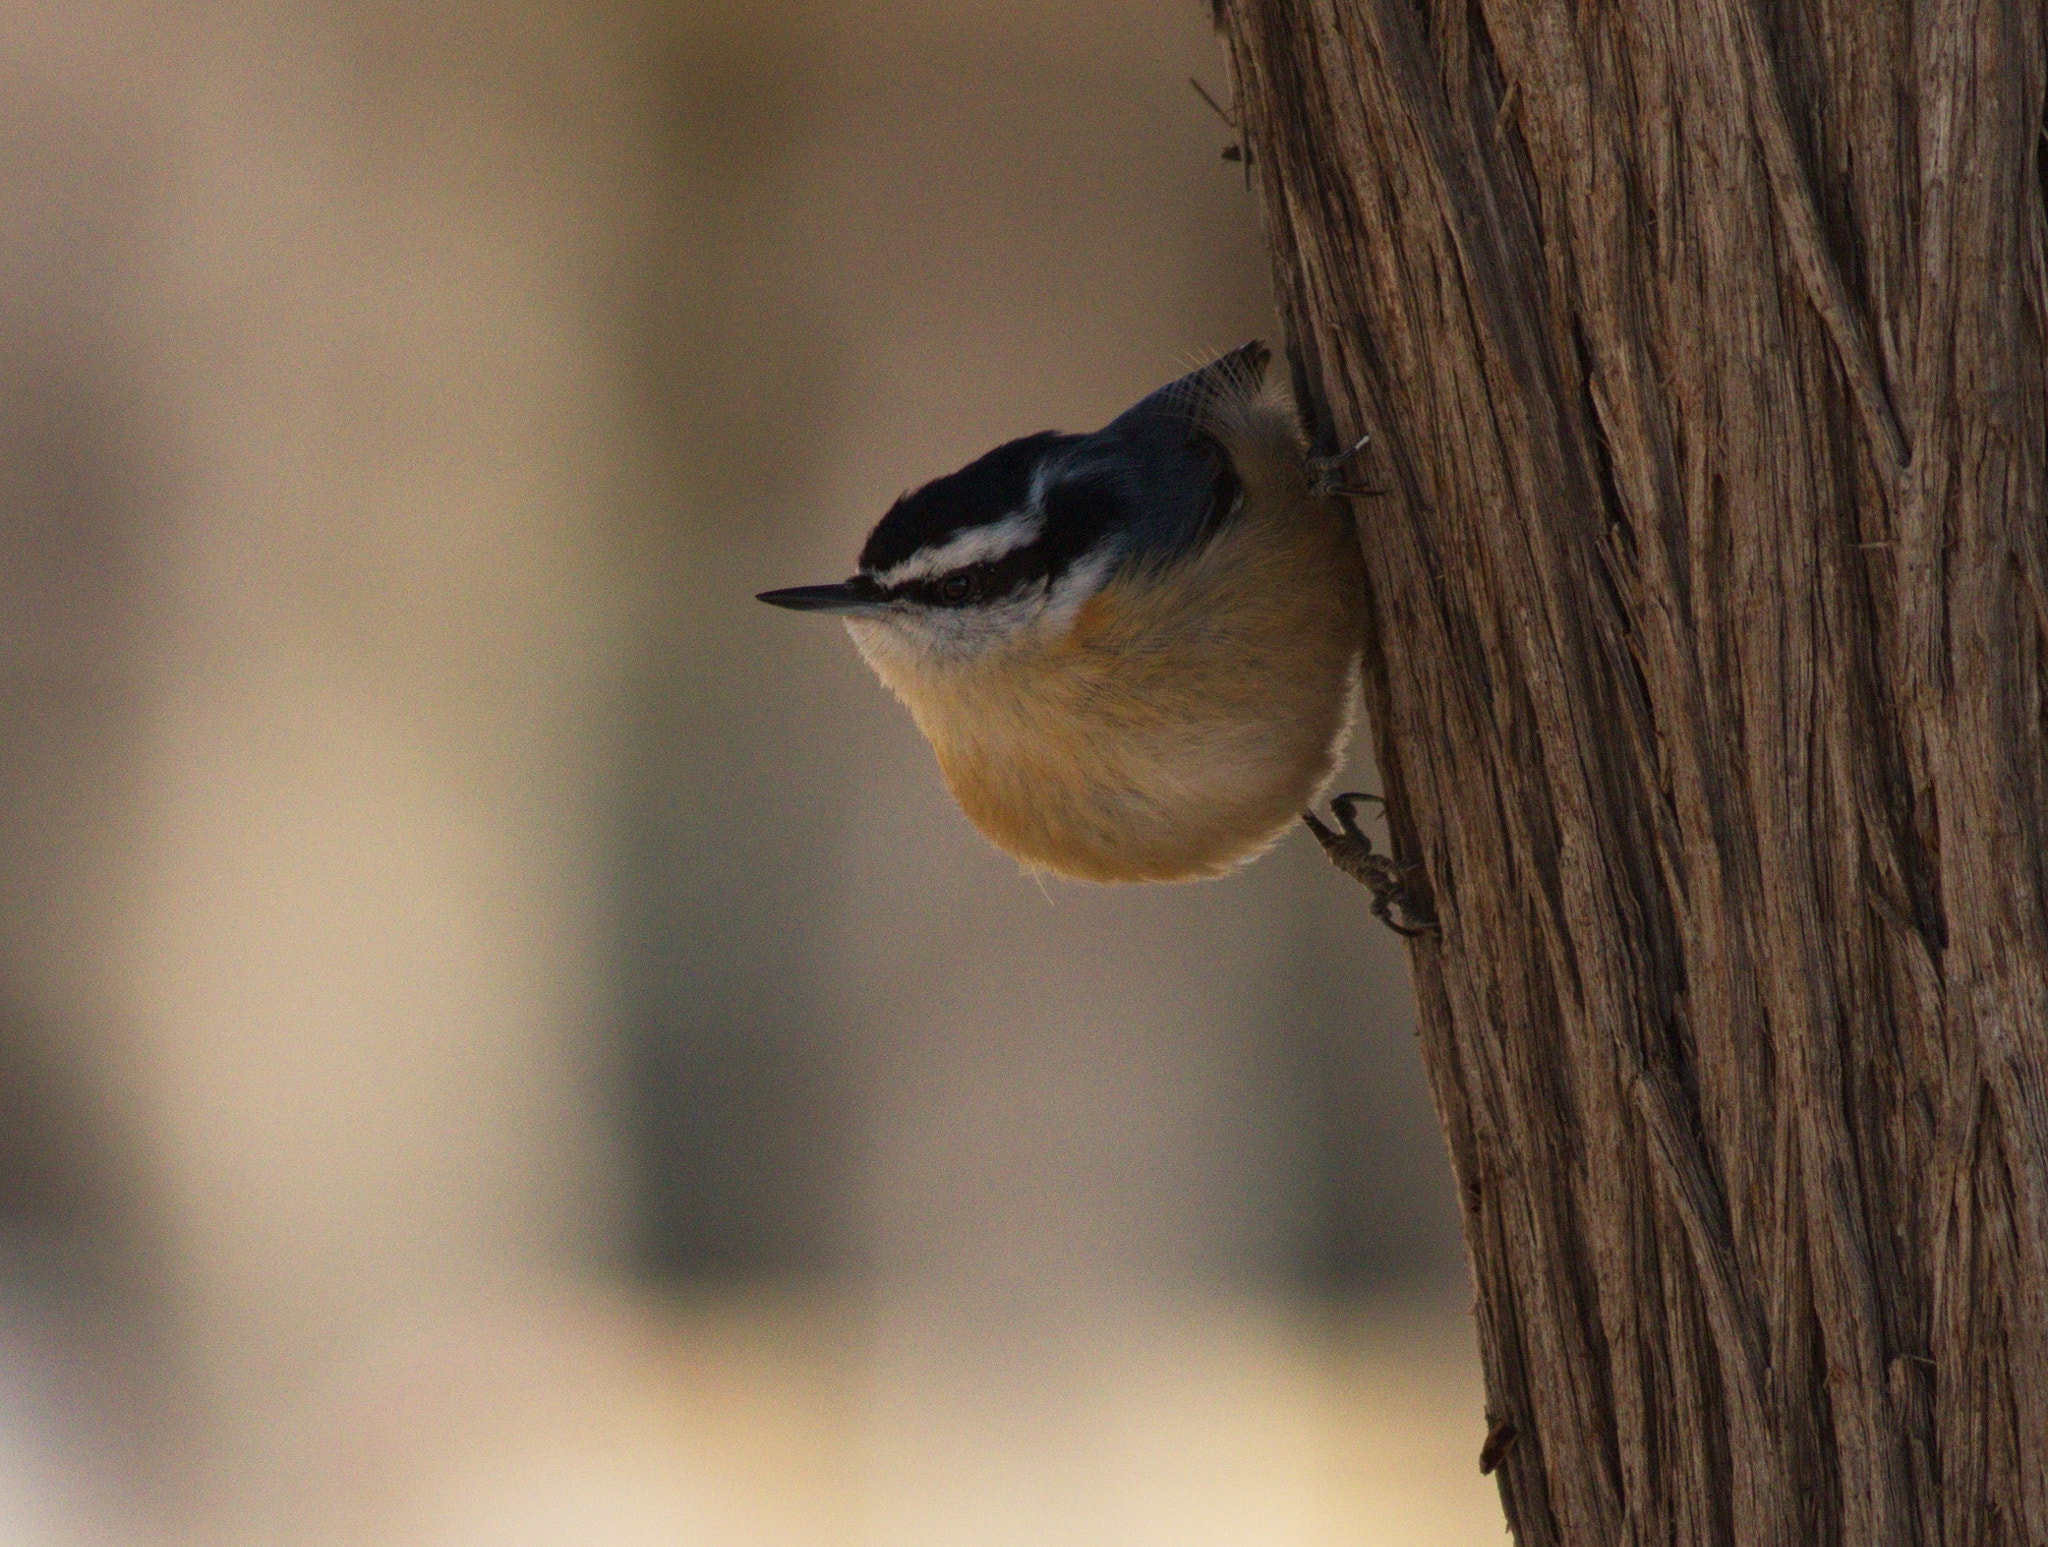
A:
1005, 552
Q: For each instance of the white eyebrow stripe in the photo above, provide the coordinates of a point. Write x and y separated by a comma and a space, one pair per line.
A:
977, 545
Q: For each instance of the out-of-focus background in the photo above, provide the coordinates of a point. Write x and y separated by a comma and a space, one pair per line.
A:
503, 1040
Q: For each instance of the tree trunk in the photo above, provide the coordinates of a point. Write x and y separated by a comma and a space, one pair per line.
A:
1702, 343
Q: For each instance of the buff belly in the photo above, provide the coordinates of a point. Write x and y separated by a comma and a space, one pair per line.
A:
1188, 806
1182, 723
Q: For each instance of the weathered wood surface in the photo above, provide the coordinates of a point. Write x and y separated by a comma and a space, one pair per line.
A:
1703, 344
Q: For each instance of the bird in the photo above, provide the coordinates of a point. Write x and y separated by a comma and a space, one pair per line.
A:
1135, 652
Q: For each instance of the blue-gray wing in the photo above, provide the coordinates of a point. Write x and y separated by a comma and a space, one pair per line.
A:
1167, 470
1189, 401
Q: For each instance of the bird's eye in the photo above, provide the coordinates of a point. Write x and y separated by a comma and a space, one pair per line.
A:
955, 589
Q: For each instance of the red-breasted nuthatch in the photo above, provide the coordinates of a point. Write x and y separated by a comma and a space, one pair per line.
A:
1135, 652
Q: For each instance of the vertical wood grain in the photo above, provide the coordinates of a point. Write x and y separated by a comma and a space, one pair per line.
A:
1702, 342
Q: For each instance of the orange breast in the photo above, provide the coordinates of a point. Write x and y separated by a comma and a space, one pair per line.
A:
1185, 720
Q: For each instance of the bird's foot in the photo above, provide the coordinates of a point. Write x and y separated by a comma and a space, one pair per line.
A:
1351, 851
1324, 480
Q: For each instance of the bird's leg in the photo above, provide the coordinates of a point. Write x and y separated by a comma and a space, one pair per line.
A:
1323, 470
1351, 851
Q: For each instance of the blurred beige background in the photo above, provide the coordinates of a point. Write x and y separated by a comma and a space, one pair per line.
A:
502, 1038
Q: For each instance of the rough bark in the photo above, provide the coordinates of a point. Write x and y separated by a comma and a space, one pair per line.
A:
1703, 345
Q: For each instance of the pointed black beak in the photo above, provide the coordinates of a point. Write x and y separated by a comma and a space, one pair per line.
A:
848, 596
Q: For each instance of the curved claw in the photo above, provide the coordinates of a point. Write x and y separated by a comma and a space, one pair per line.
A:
1324, 469
1350, 849
1345, 807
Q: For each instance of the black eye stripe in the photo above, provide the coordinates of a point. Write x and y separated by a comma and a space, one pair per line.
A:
978, 582
989, 581
1077, 513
